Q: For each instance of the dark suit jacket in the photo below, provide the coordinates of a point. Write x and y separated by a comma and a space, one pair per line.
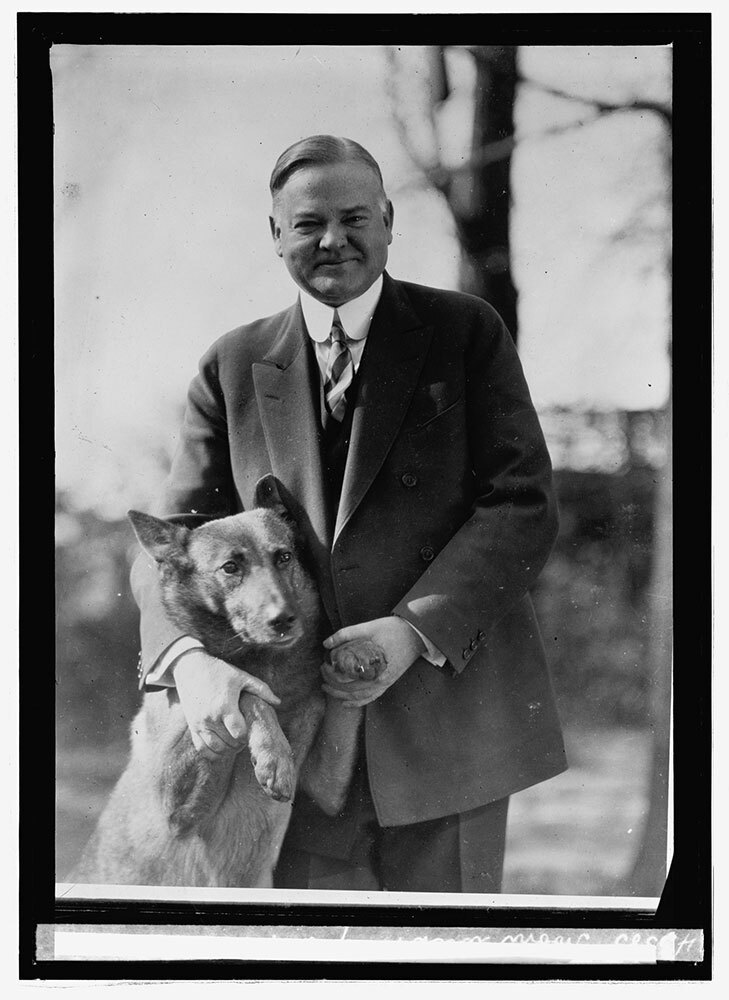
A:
446, 518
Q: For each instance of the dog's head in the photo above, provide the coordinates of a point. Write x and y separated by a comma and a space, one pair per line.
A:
236, 580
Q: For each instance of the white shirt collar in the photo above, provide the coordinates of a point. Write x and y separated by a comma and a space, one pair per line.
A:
355, 315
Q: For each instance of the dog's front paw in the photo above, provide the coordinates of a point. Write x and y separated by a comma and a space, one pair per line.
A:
359, 659
275, 772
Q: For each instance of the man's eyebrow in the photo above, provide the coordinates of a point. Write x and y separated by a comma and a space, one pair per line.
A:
305, 213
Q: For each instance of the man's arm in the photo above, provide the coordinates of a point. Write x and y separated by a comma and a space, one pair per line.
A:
430, 652
198, 487
161, 675
492, 561
495, 557
157, 633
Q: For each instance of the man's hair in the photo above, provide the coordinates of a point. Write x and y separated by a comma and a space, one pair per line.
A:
320, 150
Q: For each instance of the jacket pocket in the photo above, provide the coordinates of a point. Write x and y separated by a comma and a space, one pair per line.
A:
424, 423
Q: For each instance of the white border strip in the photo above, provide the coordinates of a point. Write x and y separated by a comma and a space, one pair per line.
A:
318, 897
100, 946
564, 946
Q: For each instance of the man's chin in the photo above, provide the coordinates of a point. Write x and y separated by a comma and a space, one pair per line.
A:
334, 291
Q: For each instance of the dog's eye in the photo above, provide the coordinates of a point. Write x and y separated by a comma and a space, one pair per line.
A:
230, 567
284, 557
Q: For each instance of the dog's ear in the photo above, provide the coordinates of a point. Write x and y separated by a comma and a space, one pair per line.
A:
268, 496
164, 541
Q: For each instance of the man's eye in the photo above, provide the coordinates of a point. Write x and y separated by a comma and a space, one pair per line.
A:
284, 557
230, 567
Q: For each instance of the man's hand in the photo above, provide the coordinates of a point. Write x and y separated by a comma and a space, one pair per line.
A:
401, 644
209, 691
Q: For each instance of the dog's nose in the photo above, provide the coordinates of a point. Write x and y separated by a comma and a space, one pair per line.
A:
282, 623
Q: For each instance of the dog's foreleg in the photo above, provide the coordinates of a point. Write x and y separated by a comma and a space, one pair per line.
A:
303, 725
271, 755
327, 771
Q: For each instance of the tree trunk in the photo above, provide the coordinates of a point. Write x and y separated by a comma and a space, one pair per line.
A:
649, 870
480, 197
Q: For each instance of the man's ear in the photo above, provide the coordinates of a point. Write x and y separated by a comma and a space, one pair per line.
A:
389, 221
276, 234
164, 541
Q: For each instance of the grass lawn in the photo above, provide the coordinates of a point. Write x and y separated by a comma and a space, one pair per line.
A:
573, 835
577, 834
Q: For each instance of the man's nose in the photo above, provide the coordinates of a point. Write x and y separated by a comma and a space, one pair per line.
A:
334, 236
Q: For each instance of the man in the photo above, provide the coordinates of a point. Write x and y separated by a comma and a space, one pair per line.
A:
398, 424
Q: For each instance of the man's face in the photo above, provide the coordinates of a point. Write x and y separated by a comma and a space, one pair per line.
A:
332, 226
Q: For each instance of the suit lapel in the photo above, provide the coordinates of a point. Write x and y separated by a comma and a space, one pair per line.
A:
393, 359
285, 394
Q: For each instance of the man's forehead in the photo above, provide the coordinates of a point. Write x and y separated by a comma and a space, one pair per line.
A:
351, 180
312, 205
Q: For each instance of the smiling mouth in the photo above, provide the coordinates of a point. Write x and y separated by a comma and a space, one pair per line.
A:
337, 263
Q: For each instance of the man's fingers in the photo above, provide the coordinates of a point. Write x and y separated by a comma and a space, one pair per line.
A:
216, 733
333, 676
346, 700
236, 726
255, 686
215, 743
335, 692
202, 748
344, 635
349, 687
361, 697
348, 690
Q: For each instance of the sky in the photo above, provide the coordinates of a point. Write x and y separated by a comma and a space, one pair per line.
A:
162, 159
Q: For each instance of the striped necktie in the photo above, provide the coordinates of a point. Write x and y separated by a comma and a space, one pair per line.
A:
339, 372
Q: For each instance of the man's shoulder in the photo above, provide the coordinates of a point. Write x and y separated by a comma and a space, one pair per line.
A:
251, 340
445, 301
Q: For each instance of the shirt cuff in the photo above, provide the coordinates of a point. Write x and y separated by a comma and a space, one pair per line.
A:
161, 673
432, 654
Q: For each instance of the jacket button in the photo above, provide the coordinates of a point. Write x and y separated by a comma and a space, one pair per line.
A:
466, 653
427, 553
480, 635
409, 480
473, 643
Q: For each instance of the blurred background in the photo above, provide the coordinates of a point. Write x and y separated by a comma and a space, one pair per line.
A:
537, 177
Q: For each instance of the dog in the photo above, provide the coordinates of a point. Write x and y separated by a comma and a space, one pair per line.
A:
239, 585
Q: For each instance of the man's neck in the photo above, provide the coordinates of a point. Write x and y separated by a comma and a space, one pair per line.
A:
355, 315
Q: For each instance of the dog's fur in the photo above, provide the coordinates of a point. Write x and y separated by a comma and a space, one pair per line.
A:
176, 818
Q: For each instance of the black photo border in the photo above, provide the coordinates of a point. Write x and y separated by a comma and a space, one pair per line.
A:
686, 902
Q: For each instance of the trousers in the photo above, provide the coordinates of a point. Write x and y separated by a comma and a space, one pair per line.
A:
458, 853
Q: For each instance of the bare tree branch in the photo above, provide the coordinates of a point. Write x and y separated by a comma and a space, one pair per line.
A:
438, 175
604, 107
426, 169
